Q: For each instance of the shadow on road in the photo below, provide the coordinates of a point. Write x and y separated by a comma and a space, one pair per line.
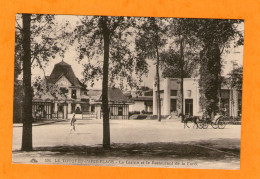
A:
203, 150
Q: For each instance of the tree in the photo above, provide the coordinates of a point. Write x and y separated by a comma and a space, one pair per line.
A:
27, 106
108, 37
47, 41
141, 89
174, 66
41, 87
150, 40
35, 40
215, 35
235, 77
18, 101
209, 78
106, 126
180, 63
171, 65
234, 81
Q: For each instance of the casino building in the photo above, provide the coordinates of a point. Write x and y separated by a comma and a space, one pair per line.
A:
170, 97
72, 97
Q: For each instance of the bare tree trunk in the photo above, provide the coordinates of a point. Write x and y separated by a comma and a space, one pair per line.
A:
219, 85
220, 112
157, 70
182, 66
232, 102
27, 102
158, 84
218, 108
106, 127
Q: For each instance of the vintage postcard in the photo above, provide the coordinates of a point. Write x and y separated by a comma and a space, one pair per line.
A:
128, 91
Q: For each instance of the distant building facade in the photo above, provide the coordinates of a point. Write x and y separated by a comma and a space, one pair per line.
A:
142, 101
118, 105
72, 99
170, 97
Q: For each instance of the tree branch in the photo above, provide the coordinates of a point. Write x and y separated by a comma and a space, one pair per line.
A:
221, 51
19, 27
39, 63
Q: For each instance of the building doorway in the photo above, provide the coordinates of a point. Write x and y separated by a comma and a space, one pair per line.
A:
62, 112
189, 107
174, 105
225, 106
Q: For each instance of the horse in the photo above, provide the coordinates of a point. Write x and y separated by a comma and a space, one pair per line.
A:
190, 119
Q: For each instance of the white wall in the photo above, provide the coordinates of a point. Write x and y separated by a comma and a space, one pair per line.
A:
189, 84
98, 111
149, 109
137, 106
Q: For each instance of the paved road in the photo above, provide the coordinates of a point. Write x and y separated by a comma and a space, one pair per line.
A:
134, 140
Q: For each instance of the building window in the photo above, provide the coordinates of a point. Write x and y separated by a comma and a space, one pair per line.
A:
92, 108
173, 92
189, 107
120, 111
74, 94
239, 107
64, 90
60, 108
173, 105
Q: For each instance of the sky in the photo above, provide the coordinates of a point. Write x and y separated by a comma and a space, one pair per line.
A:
70, 56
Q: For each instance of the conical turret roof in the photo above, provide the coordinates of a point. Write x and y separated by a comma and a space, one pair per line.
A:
63, 69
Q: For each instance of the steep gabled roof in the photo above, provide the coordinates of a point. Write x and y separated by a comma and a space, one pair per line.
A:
64, 69
94, 92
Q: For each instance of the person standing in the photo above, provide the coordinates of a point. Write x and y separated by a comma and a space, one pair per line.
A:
72, 122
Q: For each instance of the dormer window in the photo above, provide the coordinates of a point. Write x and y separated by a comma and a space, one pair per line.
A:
64, 90
74, 94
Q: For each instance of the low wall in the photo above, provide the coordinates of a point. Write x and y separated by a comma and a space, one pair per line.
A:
77, 116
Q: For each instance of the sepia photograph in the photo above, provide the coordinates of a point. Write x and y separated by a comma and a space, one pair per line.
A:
121, 91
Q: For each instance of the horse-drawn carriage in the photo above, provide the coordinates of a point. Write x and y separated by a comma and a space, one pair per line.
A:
202, 122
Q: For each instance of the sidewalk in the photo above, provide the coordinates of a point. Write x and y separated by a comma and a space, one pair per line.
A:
41, 122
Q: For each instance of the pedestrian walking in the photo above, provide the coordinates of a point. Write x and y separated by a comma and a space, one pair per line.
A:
72, 123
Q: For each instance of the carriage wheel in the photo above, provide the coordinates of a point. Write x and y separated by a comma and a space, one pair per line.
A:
200, 125
205, 125
214, 125
221, 124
